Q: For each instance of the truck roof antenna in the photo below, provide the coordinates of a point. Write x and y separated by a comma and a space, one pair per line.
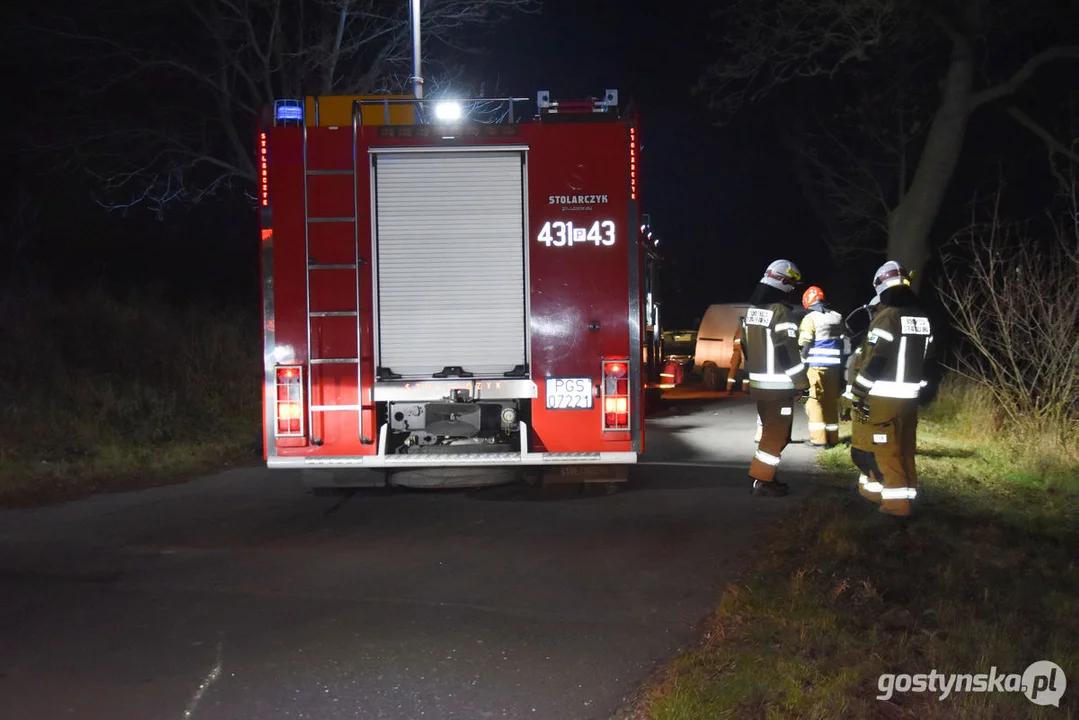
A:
417, 78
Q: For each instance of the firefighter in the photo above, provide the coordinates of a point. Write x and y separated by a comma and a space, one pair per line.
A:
888, 375
776, 372
733, 379
821, 339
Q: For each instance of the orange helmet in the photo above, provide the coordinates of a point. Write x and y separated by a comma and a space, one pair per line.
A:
812, 294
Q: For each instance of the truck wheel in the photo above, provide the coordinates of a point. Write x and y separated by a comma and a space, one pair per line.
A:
710, 377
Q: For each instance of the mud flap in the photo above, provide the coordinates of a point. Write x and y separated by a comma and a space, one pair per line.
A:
586, 474
324, 481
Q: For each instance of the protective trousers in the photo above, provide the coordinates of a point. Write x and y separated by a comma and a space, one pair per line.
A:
776, 411
736, 380
822, 406
883, 450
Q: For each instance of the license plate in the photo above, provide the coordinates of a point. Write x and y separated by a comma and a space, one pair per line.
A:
569, 393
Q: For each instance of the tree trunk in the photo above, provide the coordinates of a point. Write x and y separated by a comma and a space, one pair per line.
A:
912, 220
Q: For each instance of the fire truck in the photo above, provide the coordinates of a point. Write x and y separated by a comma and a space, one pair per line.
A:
444, 292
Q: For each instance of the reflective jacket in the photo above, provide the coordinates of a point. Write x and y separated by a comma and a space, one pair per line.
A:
891, 360
770, 346
823, 333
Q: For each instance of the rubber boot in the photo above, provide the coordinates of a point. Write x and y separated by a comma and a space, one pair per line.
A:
769, 489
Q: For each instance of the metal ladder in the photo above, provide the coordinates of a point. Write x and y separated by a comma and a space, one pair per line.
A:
315, 269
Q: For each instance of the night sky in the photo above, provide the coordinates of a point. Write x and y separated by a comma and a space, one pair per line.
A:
724, 201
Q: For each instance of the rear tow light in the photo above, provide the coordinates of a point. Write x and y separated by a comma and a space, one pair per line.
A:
289, 401
615, 395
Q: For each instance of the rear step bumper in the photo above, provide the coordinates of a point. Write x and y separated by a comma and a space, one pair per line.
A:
523, 458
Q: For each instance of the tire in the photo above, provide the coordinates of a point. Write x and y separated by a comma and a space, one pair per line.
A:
710, 377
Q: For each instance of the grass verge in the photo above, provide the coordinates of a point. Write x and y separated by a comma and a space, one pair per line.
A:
985, 576
103, 394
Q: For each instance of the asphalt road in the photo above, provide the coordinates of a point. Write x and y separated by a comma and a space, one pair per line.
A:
239, 597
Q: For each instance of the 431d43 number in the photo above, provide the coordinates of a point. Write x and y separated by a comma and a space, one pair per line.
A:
565, 234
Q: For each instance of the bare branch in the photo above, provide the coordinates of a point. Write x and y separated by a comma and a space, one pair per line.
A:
1053, 146
767, 45
208, 67
1023, 74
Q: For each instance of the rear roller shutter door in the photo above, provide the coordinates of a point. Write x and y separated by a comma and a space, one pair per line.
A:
450, 262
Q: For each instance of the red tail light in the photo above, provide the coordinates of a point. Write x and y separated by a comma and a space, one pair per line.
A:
616, 406
289, 401
615, 369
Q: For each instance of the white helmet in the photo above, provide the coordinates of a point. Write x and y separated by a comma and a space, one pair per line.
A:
889, 275
782, 274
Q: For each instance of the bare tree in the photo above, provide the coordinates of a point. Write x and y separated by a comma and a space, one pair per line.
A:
926, 64
170, 90
1014, 299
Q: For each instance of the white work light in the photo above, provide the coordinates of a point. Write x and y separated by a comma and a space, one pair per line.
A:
448, 110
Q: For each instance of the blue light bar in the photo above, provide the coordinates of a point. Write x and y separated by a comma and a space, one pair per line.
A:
286, 110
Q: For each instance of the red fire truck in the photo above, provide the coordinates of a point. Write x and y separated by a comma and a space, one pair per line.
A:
441, 292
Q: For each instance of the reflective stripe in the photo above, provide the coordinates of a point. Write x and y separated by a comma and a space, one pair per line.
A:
901, 390
785, 411
882, 334
730, 381
769, 377
902, 493
770, 381
824, 351
786, 326
923, 383
831, 427
817, 426
863, 479
863, 381
901, 360
796, 369
770, 364
874, 487
823, 361
766, 458
771, 385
